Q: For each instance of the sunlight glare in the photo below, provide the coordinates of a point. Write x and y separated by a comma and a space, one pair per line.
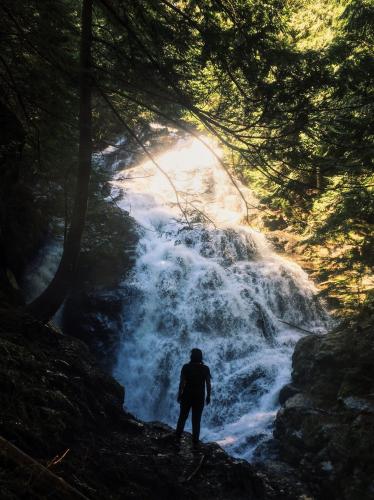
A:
188, 175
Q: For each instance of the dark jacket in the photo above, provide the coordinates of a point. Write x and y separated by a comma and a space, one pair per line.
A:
194, 378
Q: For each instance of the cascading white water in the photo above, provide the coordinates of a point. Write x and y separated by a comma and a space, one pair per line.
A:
220, 288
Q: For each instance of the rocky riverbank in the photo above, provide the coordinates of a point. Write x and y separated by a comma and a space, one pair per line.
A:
64, 412
325, 427
74, 440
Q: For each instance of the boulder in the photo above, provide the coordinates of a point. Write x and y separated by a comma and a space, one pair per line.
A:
325, 427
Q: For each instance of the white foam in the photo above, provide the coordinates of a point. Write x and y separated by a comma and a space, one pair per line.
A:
219, 288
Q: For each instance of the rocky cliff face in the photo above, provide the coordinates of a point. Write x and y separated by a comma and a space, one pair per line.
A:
65, 414
93, 310
325, 427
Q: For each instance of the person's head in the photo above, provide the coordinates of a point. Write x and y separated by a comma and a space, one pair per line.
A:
196, 355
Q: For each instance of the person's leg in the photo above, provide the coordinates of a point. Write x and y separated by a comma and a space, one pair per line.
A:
183, 415
197, 410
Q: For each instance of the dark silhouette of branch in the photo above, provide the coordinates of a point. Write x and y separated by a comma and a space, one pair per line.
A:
148, 154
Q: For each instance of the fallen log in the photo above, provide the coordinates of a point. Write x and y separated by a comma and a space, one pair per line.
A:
39, 477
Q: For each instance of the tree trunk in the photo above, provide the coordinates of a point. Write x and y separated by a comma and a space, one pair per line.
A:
47, 304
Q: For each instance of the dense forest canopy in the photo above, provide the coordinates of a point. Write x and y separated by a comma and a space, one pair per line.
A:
285, 85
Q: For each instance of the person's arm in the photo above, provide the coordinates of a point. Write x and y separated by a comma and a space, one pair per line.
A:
182, 383
208, 386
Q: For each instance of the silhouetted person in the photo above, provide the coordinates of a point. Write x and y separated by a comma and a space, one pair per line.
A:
194, 377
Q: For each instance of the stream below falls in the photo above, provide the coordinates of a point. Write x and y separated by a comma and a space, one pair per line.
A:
204, 279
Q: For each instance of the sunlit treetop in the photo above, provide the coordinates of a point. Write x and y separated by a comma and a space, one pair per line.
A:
314, 25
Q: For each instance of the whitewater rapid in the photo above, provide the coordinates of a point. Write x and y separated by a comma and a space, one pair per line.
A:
204, 279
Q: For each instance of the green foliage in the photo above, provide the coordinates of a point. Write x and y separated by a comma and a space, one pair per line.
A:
333, 153
285, 85
314, 25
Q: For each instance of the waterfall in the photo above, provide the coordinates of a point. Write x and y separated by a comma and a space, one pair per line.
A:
206, 280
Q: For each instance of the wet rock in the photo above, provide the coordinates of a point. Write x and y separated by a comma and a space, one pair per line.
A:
287, 392
284, 482
326, 429
93, 311
298, 401
61, 409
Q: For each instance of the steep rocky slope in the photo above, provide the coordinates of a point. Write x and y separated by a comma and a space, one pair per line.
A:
61, 410
93, 310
